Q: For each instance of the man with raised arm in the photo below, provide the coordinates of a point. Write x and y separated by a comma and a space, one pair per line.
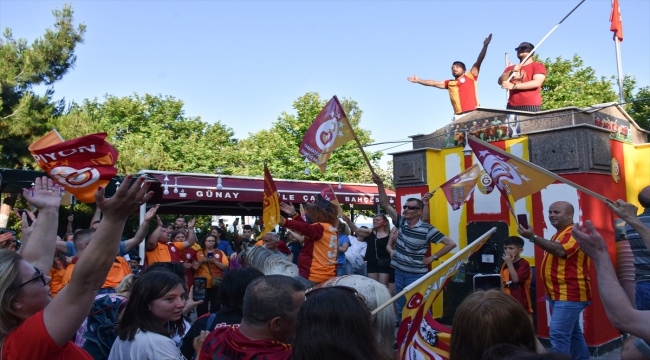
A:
414, 237
160, 249
462, 89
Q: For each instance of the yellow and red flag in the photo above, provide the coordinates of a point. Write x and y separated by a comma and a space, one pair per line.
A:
79, 165
615, 19
420, 336
271, 204
329, 130
459, 189
328, 194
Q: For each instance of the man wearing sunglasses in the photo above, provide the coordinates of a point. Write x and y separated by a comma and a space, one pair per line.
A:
524, 81
462, 89
414, 237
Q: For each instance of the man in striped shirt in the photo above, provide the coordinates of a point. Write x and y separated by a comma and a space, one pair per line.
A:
414, 238
565, 274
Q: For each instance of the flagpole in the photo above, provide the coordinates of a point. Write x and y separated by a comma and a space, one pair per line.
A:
547, 35
544, 171
507, 91
426, 276
619, 67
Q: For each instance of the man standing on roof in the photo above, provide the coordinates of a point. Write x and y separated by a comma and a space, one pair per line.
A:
526, 82
462, 89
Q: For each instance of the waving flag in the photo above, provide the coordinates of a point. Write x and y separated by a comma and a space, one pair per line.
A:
271, 210
460, 188
329, 130
615, 19
79, 165
328, 194
420, 336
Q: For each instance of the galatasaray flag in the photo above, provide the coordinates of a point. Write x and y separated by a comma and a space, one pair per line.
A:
271, 210
460, 188
615, 19
420, 336
328, 194
79, 165
516, 178
329, 130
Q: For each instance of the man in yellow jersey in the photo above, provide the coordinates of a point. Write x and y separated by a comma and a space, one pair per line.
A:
462, 89
565, 274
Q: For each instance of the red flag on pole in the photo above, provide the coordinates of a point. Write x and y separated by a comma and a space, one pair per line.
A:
79, 165
615, 19
271, 204
329, 130
460, 188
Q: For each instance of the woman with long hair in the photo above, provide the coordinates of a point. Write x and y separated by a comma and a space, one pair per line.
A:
32, 324
212, 263
152, 316
487, 318
377, 256
334, 323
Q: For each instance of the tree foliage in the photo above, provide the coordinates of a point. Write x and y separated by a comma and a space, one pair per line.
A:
638, 107
23, 113
279, 145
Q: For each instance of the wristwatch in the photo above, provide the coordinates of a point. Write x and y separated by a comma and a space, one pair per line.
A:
435, 258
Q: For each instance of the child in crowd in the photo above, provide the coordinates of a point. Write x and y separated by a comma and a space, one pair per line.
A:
515, 273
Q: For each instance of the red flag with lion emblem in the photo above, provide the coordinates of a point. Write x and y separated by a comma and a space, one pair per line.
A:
329, 130
79, 165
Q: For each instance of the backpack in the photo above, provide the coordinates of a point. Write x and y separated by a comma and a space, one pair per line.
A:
102, 320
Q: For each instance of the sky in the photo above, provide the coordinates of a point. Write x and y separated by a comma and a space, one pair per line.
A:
244, 62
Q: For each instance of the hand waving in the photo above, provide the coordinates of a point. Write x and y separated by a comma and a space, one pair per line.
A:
127, 199
150, 214
45, 194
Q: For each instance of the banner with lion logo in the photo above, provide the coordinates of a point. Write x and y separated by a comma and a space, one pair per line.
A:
329, 130
80, 165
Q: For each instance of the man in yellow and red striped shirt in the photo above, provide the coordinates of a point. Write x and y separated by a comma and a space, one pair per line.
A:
565, 273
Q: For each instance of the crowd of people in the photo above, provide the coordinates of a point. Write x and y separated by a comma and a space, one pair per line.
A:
197, 298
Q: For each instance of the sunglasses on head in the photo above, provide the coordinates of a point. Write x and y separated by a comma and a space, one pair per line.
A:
411, 207
522, 48
39, 277
315, 290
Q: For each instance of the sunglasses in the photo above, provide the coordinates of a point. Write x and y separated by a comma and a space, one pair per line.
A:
411, 207
315, 290
39, 277
522, 48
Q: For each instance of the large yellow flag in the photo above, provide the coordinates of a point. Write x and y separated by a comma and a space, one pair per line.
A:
420, 336
271, 210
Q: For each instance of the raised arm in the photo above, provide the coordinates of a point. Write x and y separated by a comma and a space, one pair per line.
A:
434, 83
191, 234
39, 250
383, 198
627, 212
142, 230
155, 235
553, 248
425, 212
617, 305
481, 56
65, 313
97, 216
360, 231
68, 229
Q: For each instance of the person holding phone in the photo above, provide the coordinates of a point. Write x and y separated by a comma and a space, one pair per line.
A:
212, 262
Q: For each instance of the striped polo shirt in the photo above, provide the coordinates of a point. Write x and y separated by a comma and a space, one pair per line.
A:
640, 251
566, 279
412, 245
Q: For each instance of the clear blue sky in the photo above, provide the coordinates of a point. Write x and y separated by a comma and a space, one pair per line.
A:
244, 62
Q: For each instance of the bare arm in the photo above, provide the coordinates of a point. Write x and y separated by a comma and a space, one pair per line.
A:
628, 212
65, 313
39, 250
536, 82
617, 305
481, 56
142, 230
449, 245
68, 228
392, 240
383, 198
155, 235
97, 216
191, 236
511, 268
434, 83
553, 248
343, 248
425, 211
361, 231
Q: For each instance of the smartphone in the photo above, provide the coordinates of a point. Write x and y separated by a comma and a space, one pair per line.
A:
199, 288
487, 282
522, 219
210, 254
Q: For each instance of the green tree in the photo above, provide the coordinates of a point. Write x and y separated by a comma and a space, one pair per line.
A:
279, 145
23, 113
639, 107
150, 132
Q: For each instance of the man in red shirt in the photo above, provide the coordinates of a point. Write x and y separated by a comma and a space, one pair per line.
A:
271, 305
462, 89
526, 81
